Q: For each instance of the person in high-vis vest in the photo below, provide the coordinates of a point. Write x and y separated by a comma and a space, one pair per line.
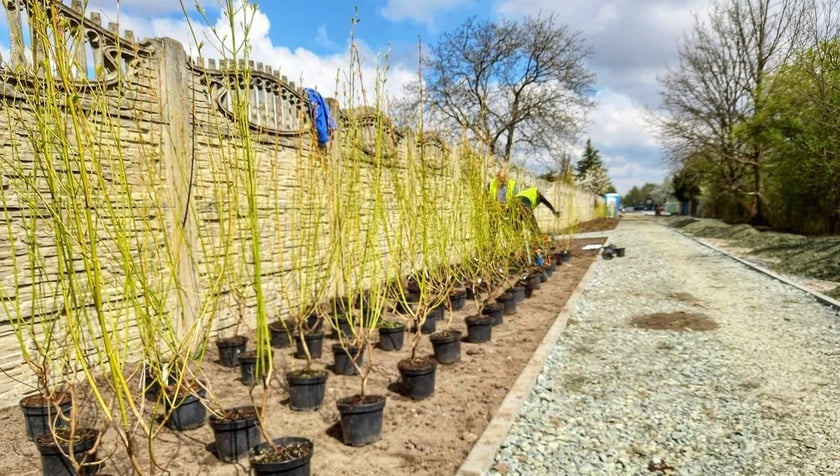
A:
502, 189
529, 199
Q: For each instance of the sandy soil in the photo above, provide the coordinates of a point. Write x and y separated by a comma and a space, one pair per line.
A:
428, 437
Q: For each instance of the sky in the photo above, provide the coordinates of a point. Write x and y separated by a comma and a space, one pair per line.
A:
633, 42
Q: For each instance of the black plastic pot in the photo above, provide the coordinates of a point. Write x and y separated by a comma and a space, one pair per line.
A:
248, 367
391, 338
229, 350
314, 342
619, 252
344, 329
187, 413
535, 280
548, 271
418, 382
339, 306
469, 293
428, 326
508, 302
457, 299
280, 334
300, 449
306, 389
313, 323
543, 276
55, 460
479, 328
361, 419
437, 313
343, 359
518, 292
164, 372
447, 346
40, 415
495, 311
236, 433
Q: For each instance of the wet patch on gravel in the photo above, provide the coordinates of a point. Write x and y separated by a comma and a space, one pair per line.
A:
679, 321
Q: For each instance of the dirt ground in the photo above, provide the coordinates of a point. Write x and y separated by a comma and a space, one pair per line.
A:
428, 437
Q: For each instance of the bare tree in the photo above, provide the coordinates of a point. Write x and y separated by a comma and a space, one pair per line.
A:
512, 86
720, 83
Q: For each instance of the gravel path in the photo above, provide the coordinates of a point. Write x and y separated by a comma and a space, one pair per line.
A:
760, 395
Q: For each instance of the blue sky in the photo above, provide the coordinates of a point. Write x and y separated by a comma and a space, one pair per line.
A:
633, 42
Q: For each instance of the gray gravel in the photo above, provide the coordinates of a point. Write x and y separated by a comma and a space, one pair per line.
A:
757, 396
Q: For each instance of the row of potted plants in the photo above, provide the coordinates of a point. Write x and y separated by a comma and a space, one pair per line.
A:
359, 235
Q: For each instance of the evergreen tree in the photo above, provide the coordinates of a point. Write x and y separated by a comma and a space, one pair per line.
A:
590, 172
591, 160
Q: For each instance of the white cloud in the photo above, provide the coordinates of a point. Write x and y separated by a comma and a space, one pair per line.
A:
619, 122
632, 42
419, 11
329, 74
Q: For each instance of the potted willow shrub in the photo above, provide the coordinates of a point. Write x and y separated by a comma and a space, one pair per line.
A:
288, 455
232, 345
418, 372
446, 342
307, 384
69, 451
50, 406
362, 413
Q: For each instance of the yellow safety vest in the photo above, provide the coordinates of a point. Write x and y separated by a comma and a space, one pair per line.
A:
494, 189
531, 194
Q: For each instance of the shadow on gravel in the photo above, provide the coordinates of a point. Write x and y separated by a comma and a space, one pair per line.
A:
674, 321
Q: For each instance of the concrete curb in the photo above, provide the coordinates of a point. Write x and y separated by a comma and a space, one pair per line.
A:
483, 452
822, 298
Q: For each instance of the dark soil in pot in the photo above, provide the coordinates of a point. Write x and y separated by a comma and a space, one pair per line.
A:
286, 456
236, 431
229, 350
447, 346
418, 377
306, 389
361, 419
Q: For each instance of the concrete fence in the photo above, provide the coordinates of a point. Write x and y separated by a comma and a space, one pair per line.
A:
159, 152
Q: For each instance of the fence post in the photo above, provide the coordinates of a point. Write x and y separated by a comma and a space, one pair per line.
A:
177, 159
